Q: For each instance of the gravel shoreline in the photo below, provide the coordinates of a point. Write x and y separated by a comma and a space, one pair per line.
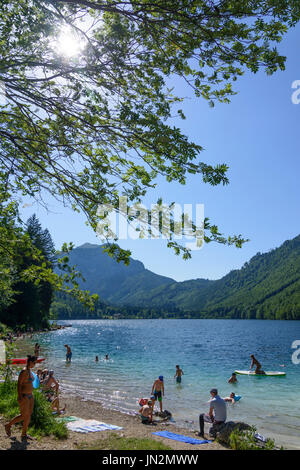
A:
132, 427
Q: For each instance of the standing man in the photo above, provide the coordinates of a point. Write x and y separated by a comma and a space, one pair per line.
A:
158, 390
25, 399
216, 414
69, 353
178, 374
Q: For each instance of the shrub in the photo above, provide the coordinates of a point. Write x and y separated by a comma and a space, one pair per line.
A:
245, 440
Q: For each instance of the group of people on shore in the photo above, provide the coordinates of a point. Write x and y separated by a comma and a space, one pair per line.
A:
50, 387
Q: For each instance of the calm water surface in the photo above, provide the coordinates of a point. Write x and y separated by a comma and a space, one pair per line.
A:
208, 351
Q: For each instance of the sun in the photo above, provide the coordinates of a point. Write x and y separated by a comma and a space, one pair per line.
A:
68, 43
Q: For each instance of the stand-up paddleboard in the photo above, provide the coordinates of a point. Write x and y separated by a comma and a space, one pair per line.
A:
267, 373
23, 360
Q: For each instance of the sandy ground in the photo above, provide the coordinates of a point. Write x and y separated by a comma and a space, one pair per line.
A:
132, 427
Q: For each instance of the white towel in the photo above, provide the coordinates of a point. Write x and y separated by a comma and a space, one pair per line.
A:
90, 425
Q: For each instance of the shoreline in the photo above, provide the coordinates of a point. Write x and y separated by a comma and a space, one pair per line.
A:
87, 409
84, 408
77, 402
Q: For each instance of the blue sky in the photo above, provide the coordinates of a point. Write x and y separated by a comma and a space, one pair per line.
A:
258, 136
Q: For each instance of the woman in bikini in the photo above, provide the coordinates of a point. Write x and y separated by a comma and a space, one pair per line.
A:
25, 398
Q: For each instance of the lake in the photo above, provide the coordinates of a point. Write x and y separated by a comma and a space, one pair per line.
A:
208, 351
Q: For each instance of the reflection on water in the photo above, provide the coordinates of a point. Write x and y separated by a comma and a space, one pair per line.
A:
208, 351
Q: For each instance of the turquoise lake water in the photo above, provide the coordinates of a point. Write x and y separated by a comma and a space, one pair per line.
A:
208, 351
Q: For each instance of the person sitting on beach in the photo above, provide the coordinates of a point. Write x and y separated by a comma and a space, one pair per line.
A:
50, 387
257, 365
146, 413
52, 397
158, 390
217, 412
50, 382
178, 374
25, 399
69, 353
44, 374
233, 378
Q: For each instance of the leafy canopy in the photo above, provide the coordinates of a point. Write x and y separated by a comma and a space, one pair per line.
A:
91, 126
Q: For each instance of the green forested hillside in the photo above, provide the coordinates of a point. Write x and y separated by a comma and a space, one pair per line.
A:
268, 286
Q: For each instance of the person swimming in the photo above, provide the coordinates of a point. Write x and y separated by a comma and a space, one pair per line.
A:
233, 378
232, 398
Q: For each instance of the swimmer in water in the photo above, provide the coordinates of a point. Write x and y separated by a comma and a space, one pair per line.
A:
233, 378
97, 359
231, 398
106, 357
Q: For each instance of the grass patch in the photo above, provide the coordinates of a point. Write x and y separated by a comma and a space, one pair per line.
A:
115, 442
43, 422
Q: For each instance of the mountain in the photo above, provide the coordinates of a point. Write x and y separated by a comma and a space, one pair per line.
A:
268, 286
114, 282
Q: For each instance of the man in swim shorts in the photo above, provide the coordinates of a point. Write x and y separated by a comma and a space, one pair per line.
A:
158, 390
69, 353
25, 399
257, 364
178, 374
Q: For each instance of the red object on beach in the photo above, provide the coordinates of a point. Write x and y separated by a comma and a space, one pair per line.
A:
23, 360
143, 401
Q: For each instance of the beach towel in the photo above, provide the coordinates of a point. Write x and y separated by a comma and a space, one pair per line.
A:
67, 419
90, 425
180, 437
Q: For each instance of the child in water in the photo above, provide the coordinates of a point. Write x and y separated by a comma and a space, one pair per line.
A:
233, 378
178, 374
